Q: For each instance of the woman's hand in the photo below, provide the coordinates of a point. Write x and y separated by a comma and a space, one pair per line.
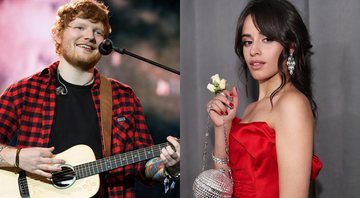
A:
224, 104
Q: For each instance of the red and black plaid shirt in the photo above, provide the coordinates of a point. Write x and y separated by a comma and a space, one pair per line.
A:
27, 111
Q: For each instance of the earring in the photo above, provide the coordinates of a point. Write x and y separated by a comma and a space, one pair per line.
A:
291, 63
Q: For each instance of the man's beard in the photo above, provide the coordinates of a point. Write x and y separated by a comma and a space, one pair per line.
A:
80, 62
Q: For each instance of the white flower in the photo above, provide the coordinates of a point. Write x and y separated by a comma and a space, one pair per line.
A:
211, 87
215, 79
222, 84
217, 85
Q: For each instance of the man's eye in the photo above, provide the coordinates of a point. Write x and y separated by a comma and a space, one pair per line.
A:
79, 27
99, 32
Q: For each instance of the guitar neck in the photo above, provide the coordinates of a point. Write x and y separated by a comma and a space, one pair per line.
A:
119, 160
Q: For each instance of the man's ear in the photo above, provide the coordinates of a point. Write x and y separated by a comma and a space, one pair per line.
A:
57, 36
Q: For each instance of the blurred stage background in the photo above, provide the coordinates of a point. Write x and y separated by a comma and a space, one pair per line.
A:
150, 28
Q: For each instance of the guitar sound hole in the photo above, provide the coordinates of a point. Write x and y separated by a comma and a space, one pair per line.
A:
64, 178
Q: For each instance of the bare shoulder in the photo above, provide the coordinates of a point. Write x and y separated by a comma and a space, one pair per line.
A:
294, 127
294, 109
294, 102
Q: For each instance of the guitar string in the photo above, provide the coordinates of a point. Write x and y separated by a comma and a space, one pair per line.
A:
83, 169
87, 168
96, 167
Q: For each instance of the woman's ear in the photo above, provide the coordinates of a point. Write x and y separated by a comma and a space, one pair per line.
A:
292, 48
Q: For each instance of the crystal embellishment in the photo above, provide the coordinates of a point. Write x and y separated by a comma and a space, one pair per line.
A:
213, 183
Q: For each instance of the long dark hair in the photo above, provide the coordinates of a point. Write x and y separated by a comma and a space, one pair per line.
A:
280, 21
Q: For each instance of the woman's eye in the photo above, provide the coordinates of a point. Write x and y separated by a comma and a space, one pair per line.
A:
246, 43
79, 27
268, 40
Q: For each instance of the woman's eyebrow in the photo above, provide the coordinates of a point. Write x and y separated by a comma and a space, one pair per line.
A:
245, 35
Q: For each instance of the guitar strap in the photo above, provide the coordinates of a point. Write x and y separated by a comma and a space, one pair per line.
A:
106, 113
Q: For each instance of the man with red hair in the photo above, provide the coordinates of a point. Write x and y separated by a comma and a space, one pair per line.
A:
59, 107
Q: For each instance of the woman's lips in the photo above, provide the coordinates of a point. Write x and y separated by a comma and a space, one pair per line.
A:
256, 64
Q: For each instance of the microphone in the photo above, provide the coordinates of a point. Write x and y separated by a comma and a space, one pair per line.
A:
106, 47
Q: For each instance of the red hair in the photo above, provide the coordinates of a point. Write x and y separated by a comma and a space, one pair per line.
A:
84, 9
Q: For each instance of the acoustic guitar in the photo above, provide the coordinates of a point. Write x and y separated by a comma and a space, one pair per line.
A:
79, 177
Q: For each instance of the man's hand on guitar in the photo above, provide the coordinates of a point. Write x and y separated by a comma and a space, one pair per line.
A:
35, 160
170, 156
39, 161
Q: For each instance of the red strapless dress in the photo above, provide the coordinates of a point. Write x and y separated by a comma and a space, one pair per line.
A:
253, 161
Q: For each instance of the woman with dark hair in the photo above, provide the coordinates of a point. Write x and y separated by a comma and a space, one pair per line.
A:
271, 147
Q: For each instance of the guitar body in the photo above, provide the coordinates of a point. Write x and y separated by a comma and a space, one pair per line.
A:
78, 178
40, 187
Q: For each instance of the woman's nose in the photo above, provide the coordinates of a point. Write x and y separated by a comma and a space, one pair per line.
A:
255, 49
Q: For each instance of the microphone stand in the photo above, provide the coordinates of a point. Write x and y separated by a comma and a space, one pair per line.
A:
106, 46
124, 51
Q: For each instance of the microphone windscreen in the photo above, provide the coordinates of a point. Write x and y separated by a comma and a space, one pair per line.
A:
106, 47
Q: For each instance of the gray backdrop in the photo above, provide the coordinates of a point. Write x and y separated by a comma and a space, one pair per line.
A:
207, 47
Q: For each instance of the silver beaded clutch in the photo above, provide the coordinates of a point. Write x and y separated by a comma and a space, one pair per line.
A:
213, 183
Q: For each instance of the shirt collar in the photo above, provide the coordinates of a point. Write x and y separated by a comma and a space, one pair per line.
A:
50, 72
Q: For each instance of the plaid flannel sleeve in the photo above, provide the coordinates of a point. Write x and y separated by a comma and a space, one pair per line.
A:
8, 116
142, 138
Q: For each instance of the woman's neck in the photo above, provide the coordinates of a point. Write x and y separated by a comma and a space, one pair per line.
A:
267, 87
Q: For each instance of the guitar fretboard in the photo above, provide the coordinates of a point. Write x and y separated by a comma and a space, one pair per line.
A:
119, 160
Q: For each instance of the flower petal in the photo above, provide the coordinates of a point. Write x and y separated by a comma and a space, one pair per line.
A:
211, 87
222, 84
215, 79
